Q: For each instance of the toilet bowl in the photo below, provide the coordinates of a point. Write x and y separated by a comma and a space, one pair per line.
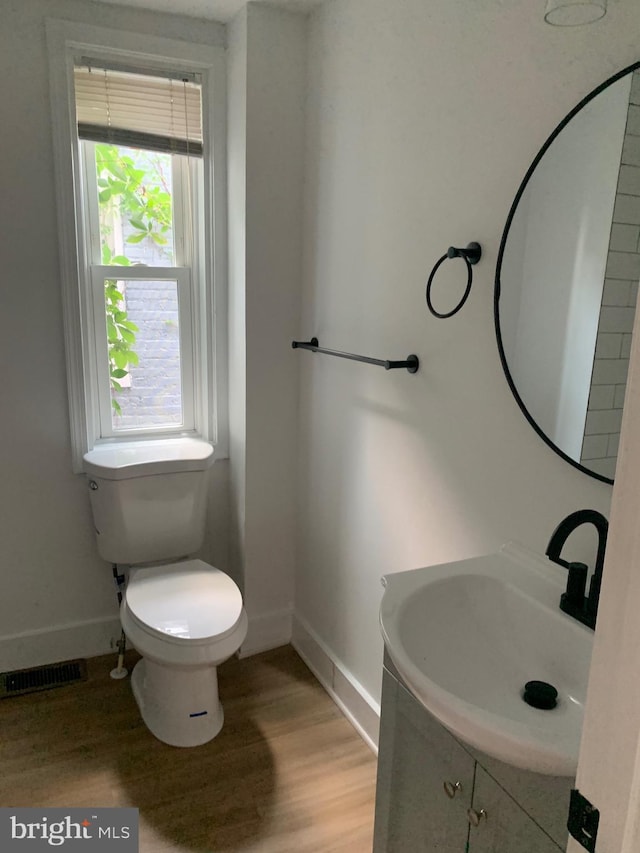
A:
185, 617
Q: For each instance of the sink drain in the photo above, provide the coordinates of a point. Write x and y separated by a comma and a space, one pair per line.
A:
541, 695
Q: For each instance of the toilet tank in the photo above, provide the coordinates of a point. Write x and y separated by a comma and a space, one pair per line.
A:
148, 499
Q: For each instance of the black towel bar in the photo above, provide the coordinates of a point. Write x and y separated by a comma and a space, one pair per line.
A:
411, 363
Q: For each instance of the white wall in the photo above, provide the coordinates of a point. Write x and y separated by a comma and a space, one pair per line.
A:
57, 598
237, 215
267, 60
422, 120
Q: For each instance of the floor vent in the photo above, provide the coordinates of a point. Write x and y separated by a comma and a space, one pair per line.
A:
22, 681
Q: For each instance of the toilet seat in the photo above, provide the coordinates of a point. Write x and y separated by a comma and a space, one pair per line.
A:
187, 612
189, 600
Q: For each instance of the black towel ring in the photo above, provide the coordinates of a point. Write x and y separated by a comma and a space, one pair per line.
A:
471, 256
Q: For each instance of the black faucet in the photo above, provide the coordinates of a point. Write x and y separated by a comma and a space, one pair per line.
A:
573, 601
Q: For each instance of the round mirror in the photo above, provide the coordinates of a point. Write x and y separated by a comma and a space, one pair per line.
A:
567, 277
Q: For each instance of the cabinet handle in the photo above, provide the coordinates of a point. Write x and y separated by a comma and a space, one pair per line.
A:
475, 817
451, 788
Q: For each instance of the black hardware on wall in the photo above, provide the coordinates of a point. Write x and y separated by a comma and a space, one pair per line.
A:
411, 363
583, 821
471, 255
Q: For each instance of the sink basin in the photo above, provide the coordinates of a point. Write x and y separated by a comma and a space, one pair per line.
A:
467, 636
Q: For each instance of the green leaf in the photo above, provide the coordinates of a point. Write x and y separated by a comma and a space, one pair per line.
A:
120, 359
127, 336
114, 166
133, 358
121, 260
139, 224
113, 296
117, 186
158, 239
116, 406
136, 238
119, 373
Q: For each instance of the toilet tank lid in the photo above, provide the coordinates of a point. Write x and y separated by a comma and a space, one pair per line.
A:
125, 460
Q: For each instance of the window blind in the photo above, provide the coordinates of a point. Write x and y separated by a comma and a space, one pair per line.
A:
138, 110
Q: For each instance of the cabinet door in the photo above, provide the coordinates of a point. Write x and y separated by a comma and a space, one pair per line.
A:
544, 798
506, 827
416, 758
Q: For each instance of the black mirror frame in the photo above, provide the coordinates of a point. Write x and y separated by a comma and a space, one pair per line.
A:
496, 297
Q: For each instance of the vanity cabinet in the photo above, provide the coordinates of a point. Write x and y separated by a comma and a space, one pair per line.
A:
415, 761
436, 794
507, 826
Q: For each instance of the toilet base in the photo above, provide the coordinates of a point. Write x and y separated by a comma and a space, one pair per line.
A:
180, 706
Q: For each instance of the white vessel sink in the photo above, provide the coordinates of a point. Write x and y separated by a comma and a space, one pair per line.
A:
467, 636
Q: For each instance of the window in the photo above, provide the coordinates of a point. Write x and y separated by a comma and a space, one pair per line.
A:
143, 345
138, 201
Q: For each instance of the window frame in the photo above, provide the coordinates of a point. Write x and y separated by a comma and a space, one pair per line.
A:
182, 247
182, 277
66, 42
182, 272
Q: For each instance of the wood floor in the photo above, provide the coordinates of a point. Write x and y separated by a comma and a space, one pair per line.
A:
287, 774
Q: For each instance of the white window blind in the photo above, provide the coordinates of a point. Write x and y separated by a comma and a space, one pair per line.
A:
138, 110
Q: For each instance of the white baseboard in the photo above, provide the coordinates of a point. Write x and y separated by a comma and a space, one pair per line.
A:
346, 691
50, 645
267, 631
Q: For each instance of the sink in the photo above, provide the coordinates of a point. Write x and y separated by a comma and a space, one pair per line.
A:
467, 636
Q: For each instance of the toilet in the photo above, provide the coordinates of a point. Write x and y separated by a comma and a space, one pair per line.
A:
185, 617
